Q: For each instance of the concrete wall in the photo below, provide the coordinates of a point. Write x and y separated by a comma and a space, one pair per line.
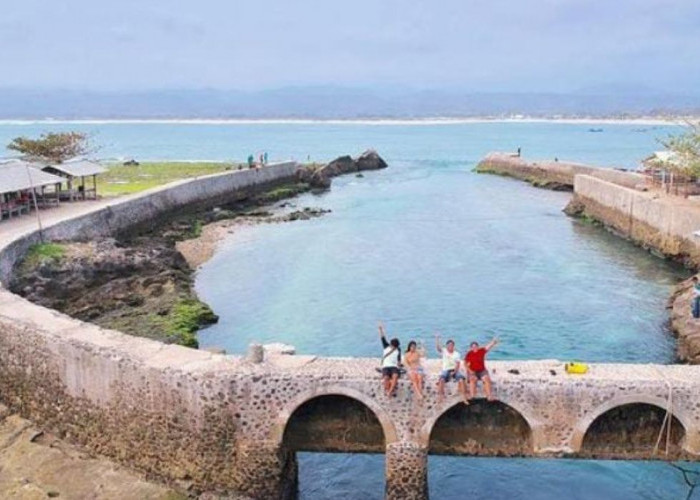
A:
553, 174
219, 421
147, 207
663, 223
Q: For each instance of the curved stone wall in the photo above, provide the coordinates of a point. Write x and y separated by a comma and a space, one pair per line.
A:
219, 420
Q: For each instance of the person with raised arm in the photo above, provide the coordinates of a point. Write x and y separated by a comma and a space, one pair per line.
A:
450, 368
391, 361
475, 361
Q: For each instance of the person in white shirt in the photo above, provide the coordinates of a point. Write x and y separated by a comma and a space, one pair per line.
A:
451, 360
391, 362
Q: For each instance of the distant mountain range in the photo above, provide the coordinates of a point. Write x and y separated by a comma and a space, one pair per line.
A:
338, 103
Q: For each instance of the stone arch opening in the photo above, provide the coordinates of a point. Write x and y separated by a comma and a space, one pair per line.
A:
631, 430
334, 423
481, 428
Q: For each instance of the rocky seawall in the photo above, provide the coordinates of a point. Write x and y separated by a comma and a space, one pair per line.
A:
620, 202
138, 281
554, 175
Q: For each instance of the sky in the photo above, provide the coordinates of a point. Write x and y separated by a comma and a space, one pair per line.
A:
485, 46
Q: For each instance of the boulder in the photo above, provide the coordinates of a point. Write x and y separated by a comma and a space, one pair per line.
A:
320, 177
370, 160
341, 165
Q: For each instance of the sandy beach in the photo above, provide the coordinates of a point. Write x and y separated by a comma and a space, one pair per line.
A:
642, 120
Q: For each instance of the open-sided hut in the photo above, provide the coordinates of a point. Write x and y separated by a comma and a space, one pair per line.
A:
75, 173
21, 183
666, 171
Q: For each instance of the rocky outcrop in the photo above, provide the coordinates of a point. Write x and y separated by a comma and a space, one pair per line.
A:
320, 176
684, 326
143, 287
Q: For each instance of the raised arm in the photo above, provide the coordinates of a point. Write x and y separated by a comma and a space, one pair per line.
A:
382, 335
491, 344
437, 343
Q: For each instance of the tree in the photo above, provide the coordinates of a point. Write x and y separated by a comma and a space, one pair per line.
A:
52, 147
685, 151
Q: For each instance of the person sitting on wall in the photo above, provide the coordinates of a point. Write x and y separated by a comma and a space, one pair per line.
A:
475, 361
450, 368
695, 303
415, 369
391, 362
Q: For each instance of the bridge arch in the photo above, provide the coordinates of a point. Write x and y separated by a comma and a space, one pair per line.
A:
586, 422
283, 418
525, 423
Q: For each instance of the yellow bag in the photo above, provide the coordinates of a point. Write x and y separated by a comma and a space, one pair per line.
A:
576, 368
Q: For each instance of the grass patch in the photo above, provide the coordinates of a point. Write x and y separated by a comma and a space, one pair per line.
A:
43, 253
185, 318
196, 229
125, 179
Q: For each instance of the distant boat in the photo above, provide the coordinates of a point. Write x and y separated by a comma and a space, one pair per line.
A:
595, 129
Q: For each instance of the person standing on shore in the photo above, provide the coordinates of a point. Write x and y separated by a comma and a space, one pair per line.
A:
450, 369
695, 303
265, 158
251, 161
415, 369
475, 361
391, 362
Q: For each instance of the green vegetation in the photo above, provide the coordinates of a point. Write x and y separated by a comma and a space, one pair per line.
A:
54, 147
282, 192
185, 318
126, 179
684, 150
42, 253
196, 229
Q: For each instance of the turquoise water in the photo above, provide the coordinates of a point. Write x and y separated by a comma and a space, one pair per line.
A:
428, 245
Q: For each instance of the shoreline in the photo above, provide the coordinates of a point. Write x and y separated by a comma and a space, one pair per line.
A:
437, 120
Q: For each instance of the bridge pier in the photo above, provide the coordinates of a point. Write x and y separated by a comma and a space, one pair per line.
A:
406, 471
266, 470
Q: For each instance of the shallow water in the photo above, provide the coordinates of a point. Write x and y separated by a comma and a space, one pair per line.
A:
426, 245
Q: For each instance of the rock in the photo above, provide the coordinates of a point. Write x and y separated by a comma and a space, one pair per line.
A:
256, 353
277, 348
320, 177
370, 160
121, 285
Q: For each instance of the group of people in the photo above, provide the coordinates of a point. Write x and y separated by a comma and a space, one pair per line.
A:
474, 364
262, 160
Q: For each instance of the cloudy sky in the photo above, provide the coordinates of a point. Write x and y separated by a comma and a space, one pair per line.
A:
485, 45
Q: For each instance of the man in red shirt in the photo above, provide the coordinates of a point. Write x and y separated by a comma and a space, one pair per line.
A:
476, 368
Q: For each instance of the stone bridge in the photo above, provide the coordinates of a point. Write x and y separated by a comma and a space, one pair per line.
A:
228, 423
